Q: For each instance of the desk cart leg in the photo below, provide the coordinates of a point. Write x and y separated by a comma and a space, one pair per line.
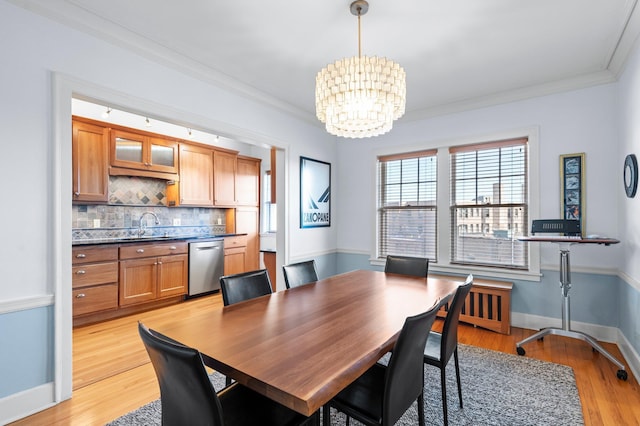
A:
565, 286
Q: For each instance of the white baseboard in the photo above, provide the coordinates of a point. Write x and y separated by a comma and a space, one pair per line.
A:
599, 332
26, 403
630, 355
536, 322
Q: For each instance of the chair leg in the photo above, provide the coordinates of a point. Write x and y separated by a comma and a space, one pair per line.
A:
443, 380
326, 415
455, 358
421, 410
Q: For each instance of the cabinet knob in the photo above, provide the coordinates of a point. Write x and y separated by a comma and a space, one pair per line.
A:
159, 263
140, 251
80, 295
81, 272
173, 248
77, 194
80, 256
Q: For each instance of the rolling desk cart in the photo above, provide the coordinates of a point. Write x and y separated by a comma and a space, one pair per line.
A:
564, 242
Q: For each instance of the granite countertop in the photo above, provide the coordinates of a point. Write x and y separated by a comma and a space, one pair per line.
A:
150, 238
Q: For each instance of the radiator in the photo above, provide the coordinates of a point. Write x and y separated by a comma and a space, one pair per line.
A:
488, 304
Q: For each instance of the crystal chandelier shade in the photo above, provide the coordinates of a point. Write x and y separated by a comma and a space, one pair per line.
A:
361, 96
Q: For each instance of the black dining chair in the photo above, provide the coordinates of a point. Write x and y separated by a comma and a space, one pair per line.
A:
405, 265
187, 396
297, 274
440, 346
244, 286
384, 393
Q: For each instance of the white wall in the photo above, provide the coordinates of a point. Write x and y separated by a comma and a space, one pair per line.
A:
629, 143
577, 121
40, 57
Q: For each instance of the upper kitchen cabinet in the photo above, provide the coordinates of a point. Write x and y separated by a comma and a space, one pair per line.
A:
195, 187
248, 181
90, 162
224, 178
149, 154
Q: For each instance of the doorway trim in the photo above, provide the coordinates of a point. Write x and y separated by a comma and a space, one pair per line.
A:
64, 89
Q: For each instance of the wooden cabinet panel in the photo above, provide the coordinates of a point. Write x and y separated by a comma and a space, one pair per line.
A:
90, 162
248, 222
93, 274
234, 260
248, 181
152, 271
224, 179
138, 281
94, 253
137, 251
95, 299
173, 275
196, 178
94, 279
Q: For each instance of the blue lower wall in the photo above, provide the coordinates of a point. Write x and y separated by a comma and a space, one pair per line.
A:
26, 349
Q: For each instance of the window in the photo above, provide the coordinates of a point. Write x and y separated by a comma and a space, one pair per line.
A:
494, 176
462, 205
270, 214
407, 204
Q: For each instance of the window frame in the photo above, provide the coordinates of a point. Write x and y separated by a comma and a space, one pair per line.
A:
380, 191
443, 244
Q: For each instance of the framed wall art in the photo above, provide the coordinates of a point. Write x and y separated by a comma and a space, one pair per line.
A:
572, 188
315, 193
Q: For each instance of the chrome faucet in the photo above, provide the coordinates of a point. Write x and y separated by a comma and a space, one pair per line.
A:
141, 228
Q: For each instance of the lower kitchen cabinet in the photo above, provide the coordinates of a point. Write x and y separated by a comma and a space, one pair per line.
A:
235, 253
95, 279
149, 272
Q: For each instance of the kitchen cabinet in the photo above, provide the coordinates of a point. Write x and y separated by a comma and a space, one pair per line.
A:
141, 151
248, 181
90, 162
235, 249
95, 279
195, 187
248, 222
152, 271
224, 178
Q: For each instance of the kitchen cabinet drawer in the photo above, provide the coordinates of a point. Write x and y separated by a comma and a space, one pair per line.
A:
238, 241
139, 251
97, 253
99, 273
93, 299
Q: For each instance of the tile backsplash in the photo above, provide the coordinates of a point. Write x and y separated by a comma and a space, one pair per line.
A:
129, 198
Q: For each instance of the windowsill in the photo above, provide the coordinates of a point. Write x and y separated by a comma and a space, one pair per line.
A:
491, 273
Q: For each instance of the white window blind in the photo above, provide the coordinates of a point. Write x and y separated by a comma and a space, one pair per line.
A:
489, 204
407, 204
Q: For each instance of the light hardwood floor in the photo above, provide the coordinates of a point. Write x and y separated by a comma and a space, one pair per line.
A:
112, 373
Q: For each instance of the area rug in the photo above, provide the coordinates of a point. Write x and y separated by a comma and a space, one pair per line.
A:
497, 389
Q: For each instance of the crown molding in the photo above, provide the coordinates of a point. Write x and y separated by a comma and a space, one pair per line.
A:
84, 21
566, 85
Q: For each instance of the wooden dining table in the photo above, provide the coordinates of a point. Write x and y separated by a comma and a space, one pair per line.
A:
301, 347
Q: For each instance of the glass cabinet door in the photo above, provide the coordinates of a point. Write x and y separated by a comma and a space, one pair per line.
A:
163, 155
127, 149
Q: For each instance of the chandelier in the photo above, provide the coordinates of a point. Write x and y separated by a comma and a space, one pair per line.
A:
361, 96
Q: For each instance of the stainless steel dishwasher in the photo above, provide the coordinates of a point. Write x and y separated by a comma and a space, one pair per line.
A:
206, 265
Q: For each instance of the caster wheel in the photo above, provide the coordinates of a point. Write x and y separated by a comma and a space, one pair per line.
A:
521, 352
622, 375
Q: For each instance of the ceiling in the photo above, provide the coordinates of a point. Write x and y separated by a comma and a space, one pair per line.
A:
457, 54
